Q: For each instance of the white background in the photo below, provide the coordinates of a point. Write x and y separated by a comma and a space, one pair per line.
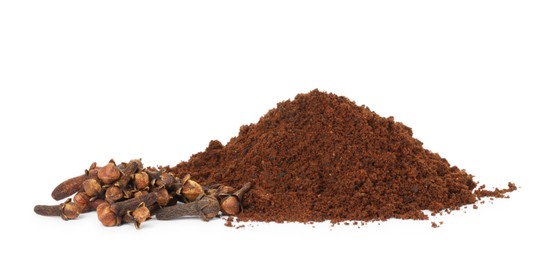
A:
89, 81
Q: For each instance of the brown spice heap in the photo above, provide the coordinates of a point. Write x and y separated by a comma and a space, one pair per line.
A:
322, 157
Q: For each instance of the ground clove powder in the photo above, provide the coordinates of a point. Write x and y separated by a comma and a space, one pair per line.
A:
322, 157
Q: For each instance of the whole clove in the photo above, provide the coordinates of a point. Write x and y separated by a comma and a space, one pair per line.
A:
67, 210
232, 204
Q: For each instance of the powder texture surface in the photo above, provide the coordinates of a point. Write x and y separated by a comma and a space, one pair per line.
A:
323, 157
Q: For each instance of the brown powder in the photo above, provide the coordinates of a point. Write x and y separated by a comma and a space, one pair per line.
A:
322, 157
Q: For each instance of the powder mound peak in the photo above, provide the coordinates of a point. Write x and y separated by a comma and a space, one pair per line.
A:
322, 157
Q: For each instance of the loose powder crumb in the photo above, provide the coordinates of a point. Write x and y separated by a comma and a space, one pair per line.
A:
228, 221
322, 157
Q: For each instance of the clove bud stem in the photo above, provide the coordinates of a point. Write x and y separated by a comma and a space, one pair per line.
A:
206, 207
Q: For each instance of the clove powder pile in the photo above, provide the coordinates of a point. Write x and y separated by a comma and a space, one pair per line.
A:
322, 157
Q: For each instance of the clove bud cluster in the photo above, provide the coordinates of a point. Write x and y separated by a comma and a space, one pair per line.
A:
131, 193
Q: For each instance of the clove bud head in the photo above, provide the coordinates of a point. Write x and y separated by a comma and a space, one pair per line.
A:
70, 210
141, 180
230, 205
140, 215
191, 190
113, 194
107, 217
109, 173
163, 197
92, 187
82, 200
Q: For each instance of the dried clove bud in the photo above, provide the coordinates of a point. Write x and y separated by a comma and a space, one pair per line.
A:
68, 187
67, 210
163, 197
141, 180
70, 210
82, 200
232, 204
113, 193
206, 207
138, 216
109, 173
92, 187
191, 190
107, 217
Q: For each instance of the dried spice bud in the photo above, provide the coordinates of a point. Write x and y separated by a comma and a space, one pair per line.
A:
206, 207
232, 205
163, 197
191, 190
141, 180
68, 187
113, 193
92, 187
67, 210
107, 217
140, 215
82, 200
109, 173
70, 210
